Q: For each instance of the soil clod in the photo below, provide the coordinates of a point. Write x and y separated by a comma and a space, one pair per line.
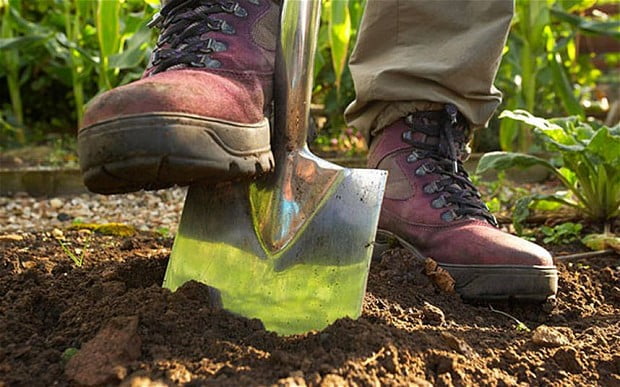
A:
433, 315
546, 336
440, 276
104, 358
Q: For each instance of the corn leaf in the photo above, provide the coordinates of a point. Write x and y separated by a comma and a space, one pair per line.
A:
135, 51
564, 88
339, 36
508, 129
108, 28
606, 28
22, 42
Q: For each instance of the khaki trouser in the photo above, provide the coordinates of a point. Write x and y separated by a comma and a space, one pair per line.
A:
415, 54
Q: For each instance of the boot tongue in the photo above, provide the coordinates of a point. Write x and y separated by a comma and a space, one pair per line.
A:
443, 132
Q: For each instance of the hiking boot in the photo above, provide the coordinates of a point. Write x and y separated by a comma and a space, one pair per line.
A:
432, 208
199, 112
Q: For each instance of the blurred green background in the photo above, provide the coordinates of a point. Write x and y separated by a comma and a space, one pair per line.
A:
561, 59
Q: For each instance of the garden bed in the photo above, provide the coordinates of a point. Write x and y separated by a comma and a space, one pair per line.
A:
129, 330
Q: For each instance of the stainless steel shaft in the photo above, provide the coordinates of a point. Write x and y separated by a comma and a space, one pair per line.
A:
294, 68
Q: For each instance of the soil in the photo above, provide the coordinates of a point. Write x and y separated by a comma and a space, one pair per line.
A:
109, 322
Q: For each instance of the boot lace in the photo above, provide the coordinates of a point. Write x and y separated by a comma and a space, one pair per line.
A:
443, 158
184, 24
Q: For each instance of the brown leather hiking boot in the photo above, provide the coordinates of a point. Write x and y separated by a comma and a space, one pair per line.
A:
199, 112
432, 208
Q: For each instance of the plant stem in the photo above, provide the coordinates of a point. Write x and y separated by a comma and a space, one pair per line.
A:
513, 318
573, 189
589, 254
73, 34
11, 65
104, 80
15, 95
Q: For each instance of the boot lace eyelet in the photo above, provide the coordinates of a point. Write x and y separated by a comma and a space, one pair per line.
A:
413, 157
424, 169
235, 9
431, 188
409, 119
182, 42
213, 46
440, 202
407, 135
449, 216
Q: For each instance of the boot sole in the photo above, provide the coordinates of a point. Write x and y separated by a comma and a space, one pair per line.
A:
486, 282
159, 150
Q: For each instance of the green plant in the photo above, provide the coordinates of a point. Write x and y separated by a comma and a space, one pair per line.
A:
333, 86
56, 55
68, 353
561, 234
163, 231
76, 256
9, 61
542, 70
63, 151
500, 195
589, 165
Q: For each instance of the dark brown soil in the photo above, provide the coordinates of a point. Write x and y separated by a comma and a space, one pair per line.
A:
113, 313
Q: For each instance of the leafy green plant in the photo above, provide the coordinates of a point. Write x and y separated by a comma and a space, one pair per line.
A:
542, 70
561, 234
589, 165
500, 195
73, 22
9, 61
56, 55
333, 86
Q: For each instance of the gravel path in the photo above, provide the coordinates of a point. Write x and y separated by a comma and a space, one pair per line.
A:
146, 211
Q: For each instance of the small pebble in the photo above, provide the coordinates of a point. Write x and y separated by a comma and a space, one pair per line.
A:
546, 336
56, 203
64, 217
57, 233
8, 238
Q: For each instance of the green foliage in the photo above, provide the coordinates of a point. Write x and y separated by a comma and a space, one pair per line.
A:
68, 353
542, 71
163, 231
562, 233
602, 241
589, 165
9, 61
333, 86
56, 55
339, 36
77, 257
499, 195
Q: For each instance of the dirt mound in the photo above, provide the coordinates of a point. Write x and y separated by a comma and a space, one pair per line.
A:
55, 318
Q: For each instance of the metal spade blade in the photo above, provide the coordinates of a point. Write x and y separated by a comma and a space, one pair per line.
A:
292, 249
